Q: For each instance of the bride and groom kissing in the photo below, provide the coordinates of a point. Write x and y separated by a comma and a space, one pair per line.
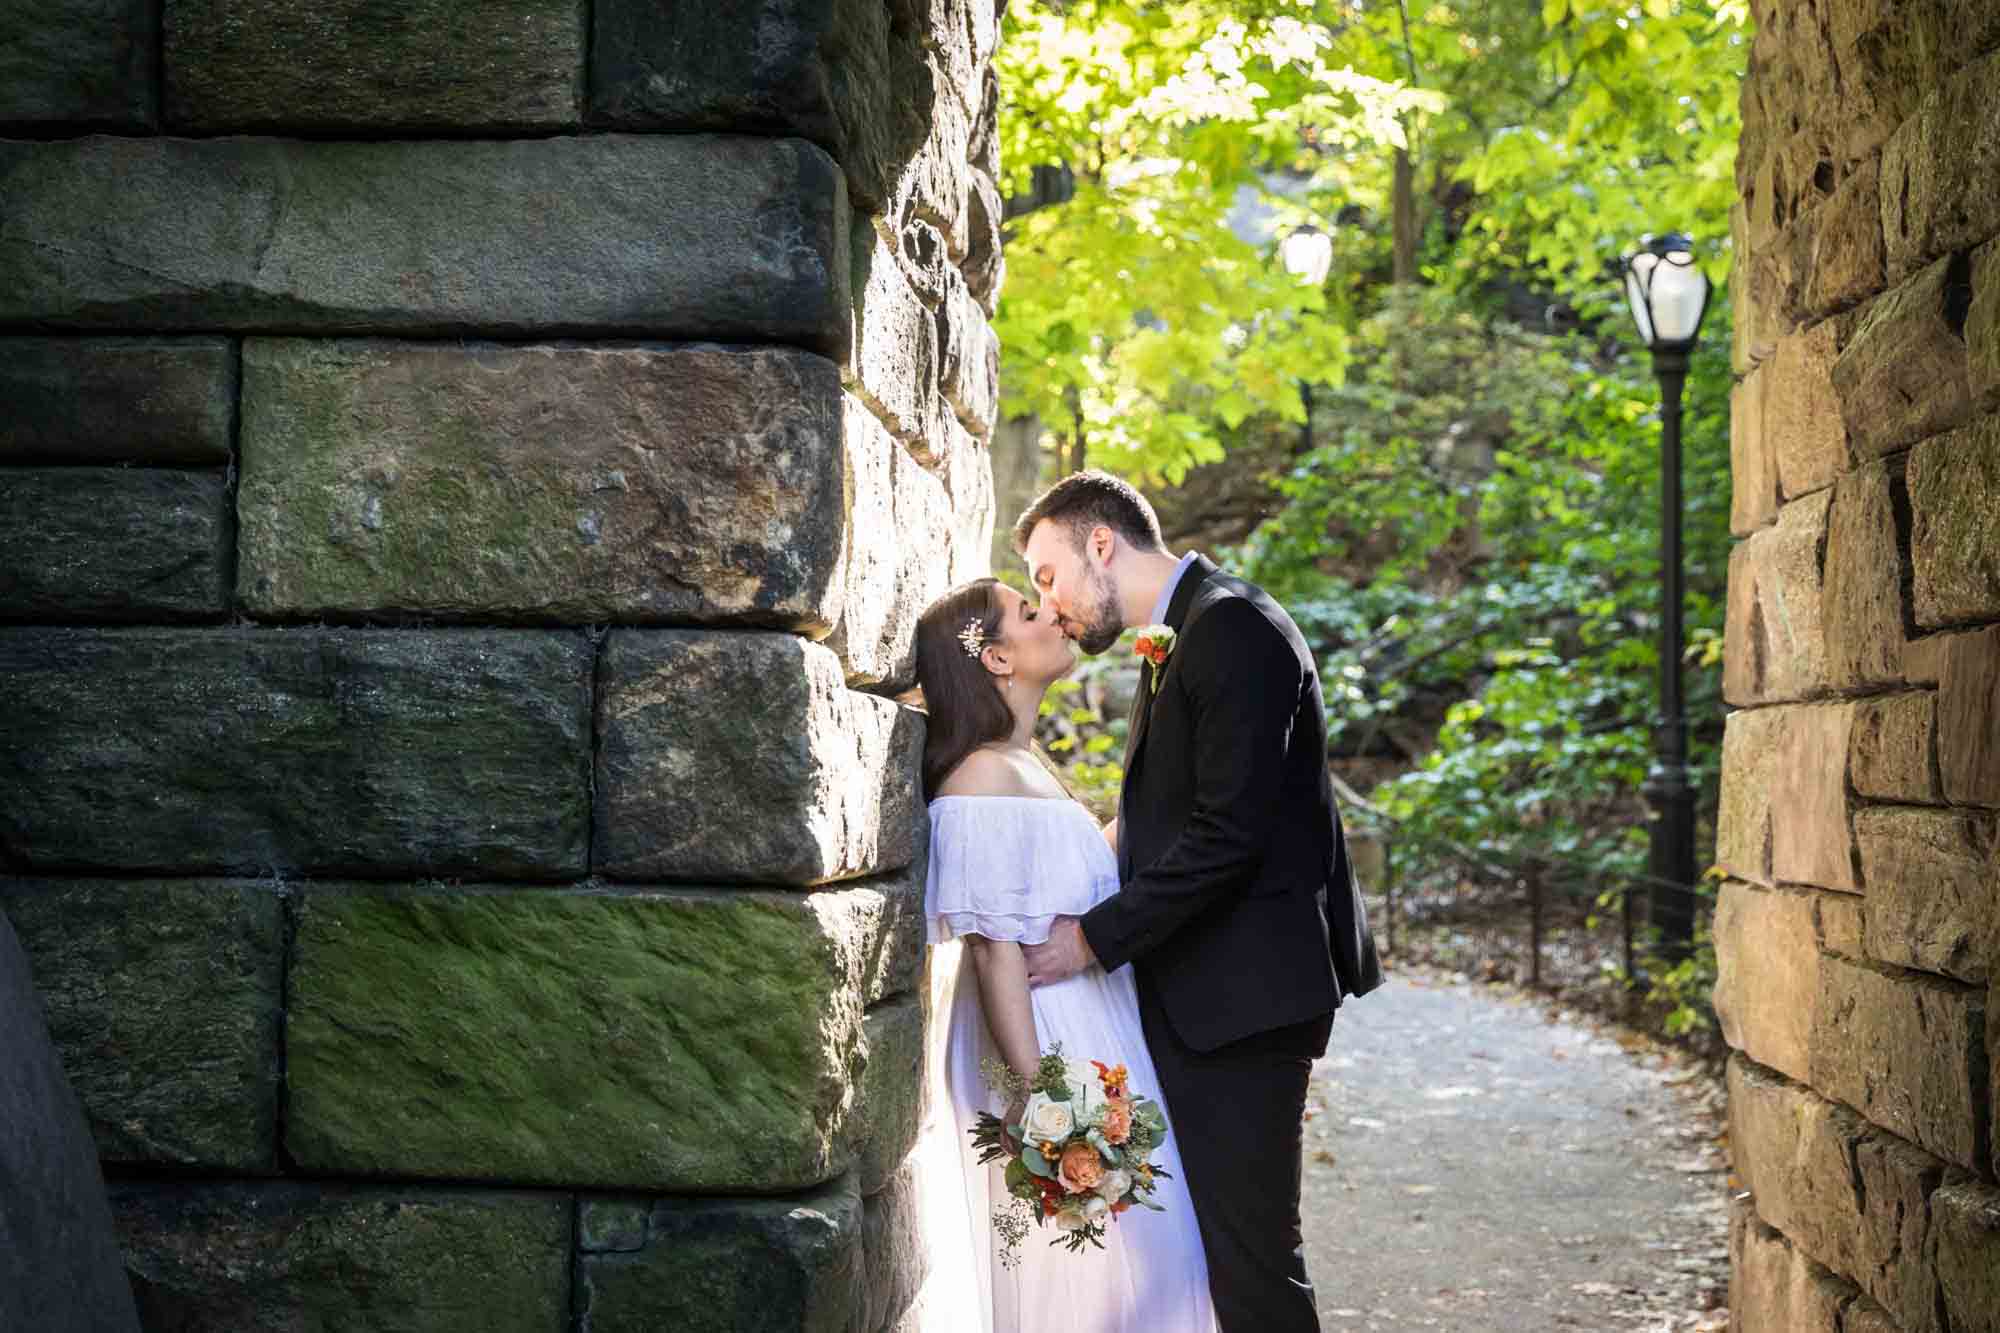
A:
1203, 938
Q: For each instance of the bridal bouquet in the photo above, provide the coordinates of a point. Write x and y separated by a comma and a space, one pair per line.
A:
1085, 1141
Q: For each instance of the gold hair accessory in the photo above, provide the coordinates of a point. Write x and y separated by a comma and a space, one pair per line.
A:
973, 636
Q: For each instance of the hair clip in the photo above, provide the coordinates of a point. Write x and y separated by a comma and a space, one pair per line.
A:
973, 636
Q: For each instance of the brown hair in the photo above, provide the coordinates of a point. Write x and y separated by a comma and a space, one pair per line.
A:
965, 707
1085, 500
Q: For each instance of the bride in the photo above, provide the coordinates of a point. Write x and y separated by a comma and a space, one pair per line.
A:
1010, 850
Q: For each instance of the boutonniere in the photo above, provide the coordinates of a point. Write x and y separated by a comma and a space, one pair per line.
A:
1155, 644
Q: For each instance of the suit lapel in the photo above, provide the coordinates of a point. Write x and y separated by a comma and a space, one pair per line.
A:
1149, 679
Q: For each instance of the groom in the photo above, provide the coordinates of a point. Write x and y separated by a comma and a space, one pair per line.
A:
1237, 910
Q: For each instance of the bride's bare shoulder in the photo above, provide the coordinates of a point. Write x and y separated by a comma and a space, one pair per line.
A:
984, 773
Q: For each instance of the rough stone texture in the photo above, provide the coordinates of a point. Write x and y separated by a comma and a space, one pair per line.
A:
893, 362
78, 62
1754, 495
1794, 1151
985, 266
380, 752
900, 519
1848, 256
116, 400
286, 1257
1775, 635
1862, 596
1767, 975
733, 1266
611, 1226
113, 544
1893, 1184
889, 1101
1982, 326
1904, 1050
1969, 718
1954, 539
1772, 1286
562, 484
1937, 169
693, 1040
354, 64
1751, 745
969, 368
1811, 842
1965, 1221
823, 789
841, 74
59, 1265
163, 998
687, 236
1904, 375
1842, 923
1933, 889
966, 466
935, 184
1892, 751
894, 1257
1802, 423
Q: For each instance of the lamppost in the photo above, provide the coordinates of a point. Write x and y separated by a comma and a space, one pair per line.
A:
1669, 295
1307, 254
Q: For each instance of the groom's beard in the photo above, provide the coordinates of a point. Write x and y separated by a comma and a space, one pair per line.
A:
1102, 629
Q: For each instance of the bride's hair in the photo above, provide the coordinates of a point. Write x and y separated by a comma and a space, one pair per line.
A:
965, 707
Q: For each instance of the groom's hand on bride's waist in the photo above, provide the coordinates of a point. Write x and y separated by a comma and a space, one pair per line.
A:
1064, 954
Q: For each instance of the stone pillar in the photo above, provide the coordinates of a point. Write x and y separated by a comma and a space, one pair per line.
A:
1858, 933
467, 481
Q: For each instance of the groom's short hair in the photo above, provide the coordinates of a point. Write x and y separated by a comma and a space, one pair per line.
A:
1085, 500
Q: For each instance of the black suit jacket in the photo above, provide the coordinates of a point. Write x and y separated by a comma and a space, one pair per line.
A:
1238, 904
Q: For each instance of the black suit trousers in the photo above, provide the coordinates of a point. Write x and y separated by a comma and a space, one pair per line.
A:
1237, 1114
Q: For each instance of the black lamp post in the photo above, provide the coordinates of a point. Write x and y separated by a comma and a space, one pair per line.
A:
1669, 295
1307, 254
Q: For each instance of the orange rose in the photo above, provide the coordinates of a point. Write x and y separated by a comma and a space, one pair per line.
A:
1080, 1169
1116, 1126
1144, 647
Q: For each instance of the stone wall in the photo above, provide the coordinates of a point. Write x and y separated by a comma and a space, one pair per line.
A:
468, 475
1859, 928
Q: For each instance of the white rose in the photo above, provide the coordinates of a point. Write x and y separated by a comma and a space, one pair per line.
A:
1114, 1185
1069, 1220
1047, 1120
1093, 1208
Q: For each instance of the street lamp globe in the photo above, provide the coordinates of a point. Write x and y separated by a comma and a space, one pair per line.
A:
1667, 291
1307, 254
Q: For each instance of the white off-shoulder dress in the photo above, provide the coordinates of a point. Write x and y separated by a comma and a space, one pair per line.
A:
1005, 867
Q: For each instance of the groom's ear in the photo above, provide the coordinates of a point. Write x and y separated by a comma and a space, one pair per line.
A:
1102, 544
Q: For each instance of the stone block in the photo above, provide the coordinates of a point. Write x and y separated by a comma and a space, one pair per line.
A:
920, 248
841, 74
1892, 754
1904, 375
1982, 326
1802, 423
823, 788
1774, 634
889, 1099
895, 1258
355, 65
1794, 1151
1954, 487
1753, 467
1751, 745
1965, 1226
59, 1263
285, 1256
380, 752
969, 369
611, 1226
1863, 594
562, 484
935, 184
1811, 842
734, 1266
890, 916
900, 520
1842, 921
1903, 1049
1772, 1286
116, 400
691, 1041
985, 266
1969, 718
1933, 888
966, 465
1848, 259
1767, 974
1894, 1183
893, 361
163, 998
106, 543
1937, 167
669, 236
78, 63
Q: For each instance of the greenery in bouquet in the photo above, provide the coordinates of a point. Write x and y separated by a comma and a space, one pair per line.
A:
1080, 1155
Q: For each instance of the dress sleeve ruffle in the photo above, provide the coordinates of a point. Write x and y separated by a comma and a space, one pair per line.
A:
1006, 869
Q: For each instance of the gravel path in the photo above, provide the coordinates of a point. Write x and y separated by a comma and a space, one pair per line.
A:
1475, 1162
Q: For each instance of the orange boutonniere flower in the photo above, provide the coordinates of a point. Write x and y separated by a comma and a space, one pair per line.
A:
1154, 644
